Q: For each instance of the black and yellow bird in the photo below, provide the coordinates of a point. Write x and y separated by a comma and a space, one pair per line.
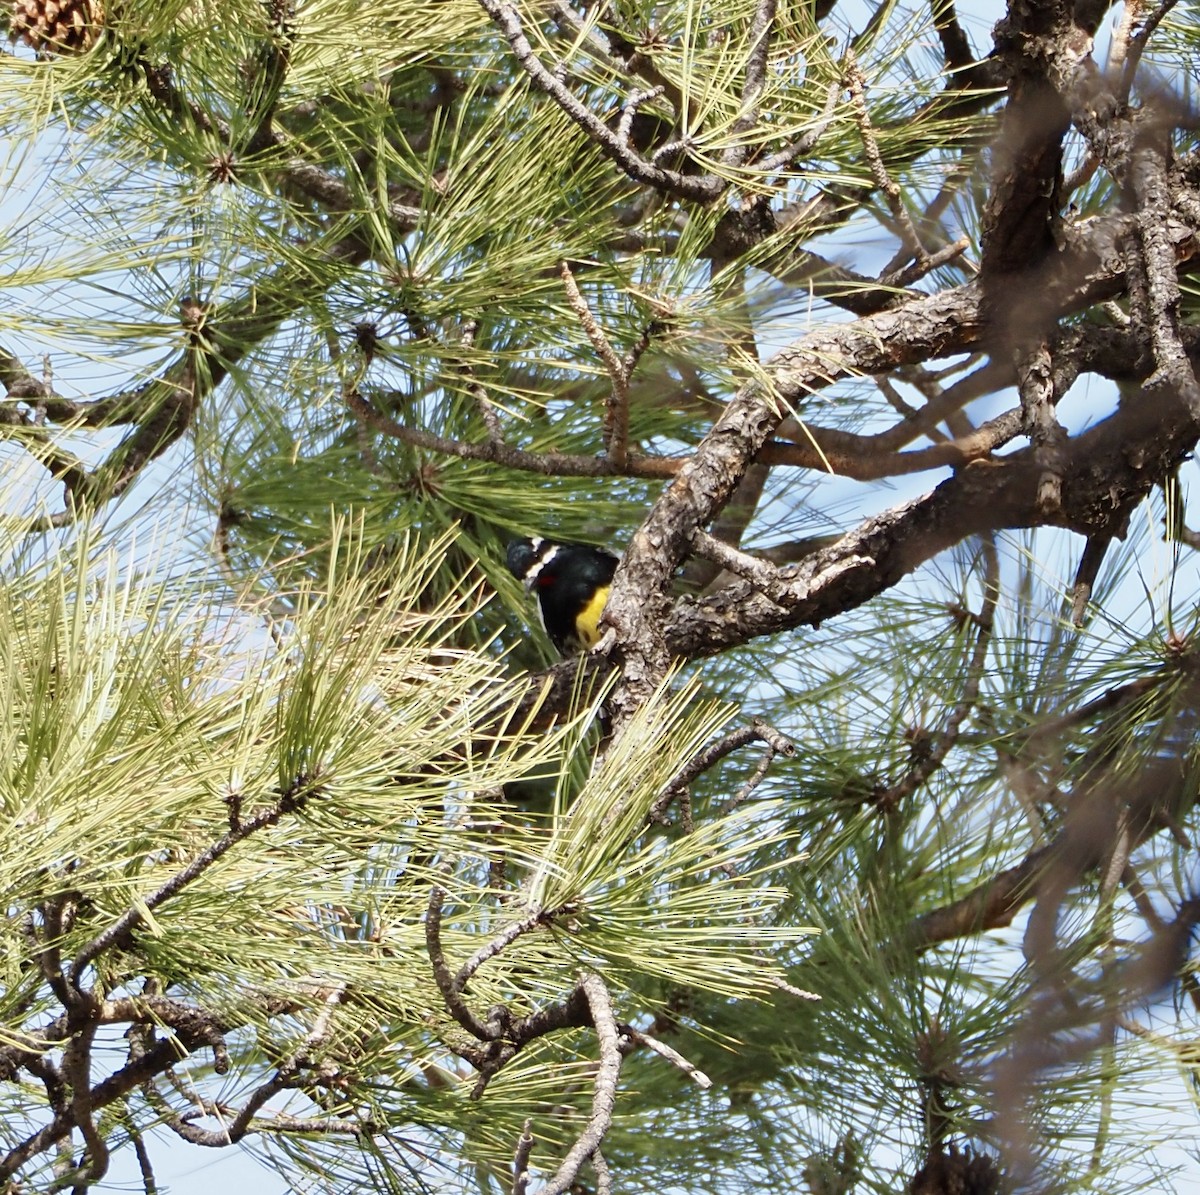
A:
571, 582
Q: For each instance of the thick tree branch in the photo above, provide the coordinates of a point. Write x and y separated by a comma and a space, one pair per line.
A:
1041, 48
1105, 469
1089, 268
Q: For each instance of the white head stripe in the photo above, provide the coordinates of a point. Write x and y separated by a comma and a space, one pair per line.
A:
532, 576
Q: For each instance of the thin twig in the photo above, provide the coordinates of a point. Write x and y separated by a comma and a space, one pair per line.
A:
913, 248
989, 905
805, 144
871, 457
365, 450
604, 1185
155, 1060
789, 989
55, 912
616, 413
1118, 46
491, 949
270, 72
314, 181
52, 1079
614, 49
901, 406
238, 1123
674, 1057
62, 465
629, 111
445, 980
766, 578
1138, 43
938, 746
77, 1070
487, 412
752, 781
1090, 560
149, 1186
1118, 861
184, 1020
162, 410
604, 1096
761, 28
956, 48
546, 464
639, 346
525, 1143
275, 1122
711, 755
702, 188
925, 264
135, 914
285, 1074
1114, 699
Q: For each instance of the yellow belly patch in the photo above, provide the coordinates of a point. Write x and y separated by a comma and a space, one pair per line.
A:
587, 621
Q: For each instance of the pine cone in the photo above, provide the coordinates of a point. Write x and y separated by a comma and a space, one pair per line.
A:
955, 1173
57, 26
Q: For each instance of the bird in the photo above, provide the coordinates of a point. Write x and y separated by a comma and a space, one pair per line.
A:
571, 582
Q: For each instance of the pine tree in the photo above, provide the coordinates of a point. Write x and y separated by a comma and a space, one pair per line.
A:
861, 856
